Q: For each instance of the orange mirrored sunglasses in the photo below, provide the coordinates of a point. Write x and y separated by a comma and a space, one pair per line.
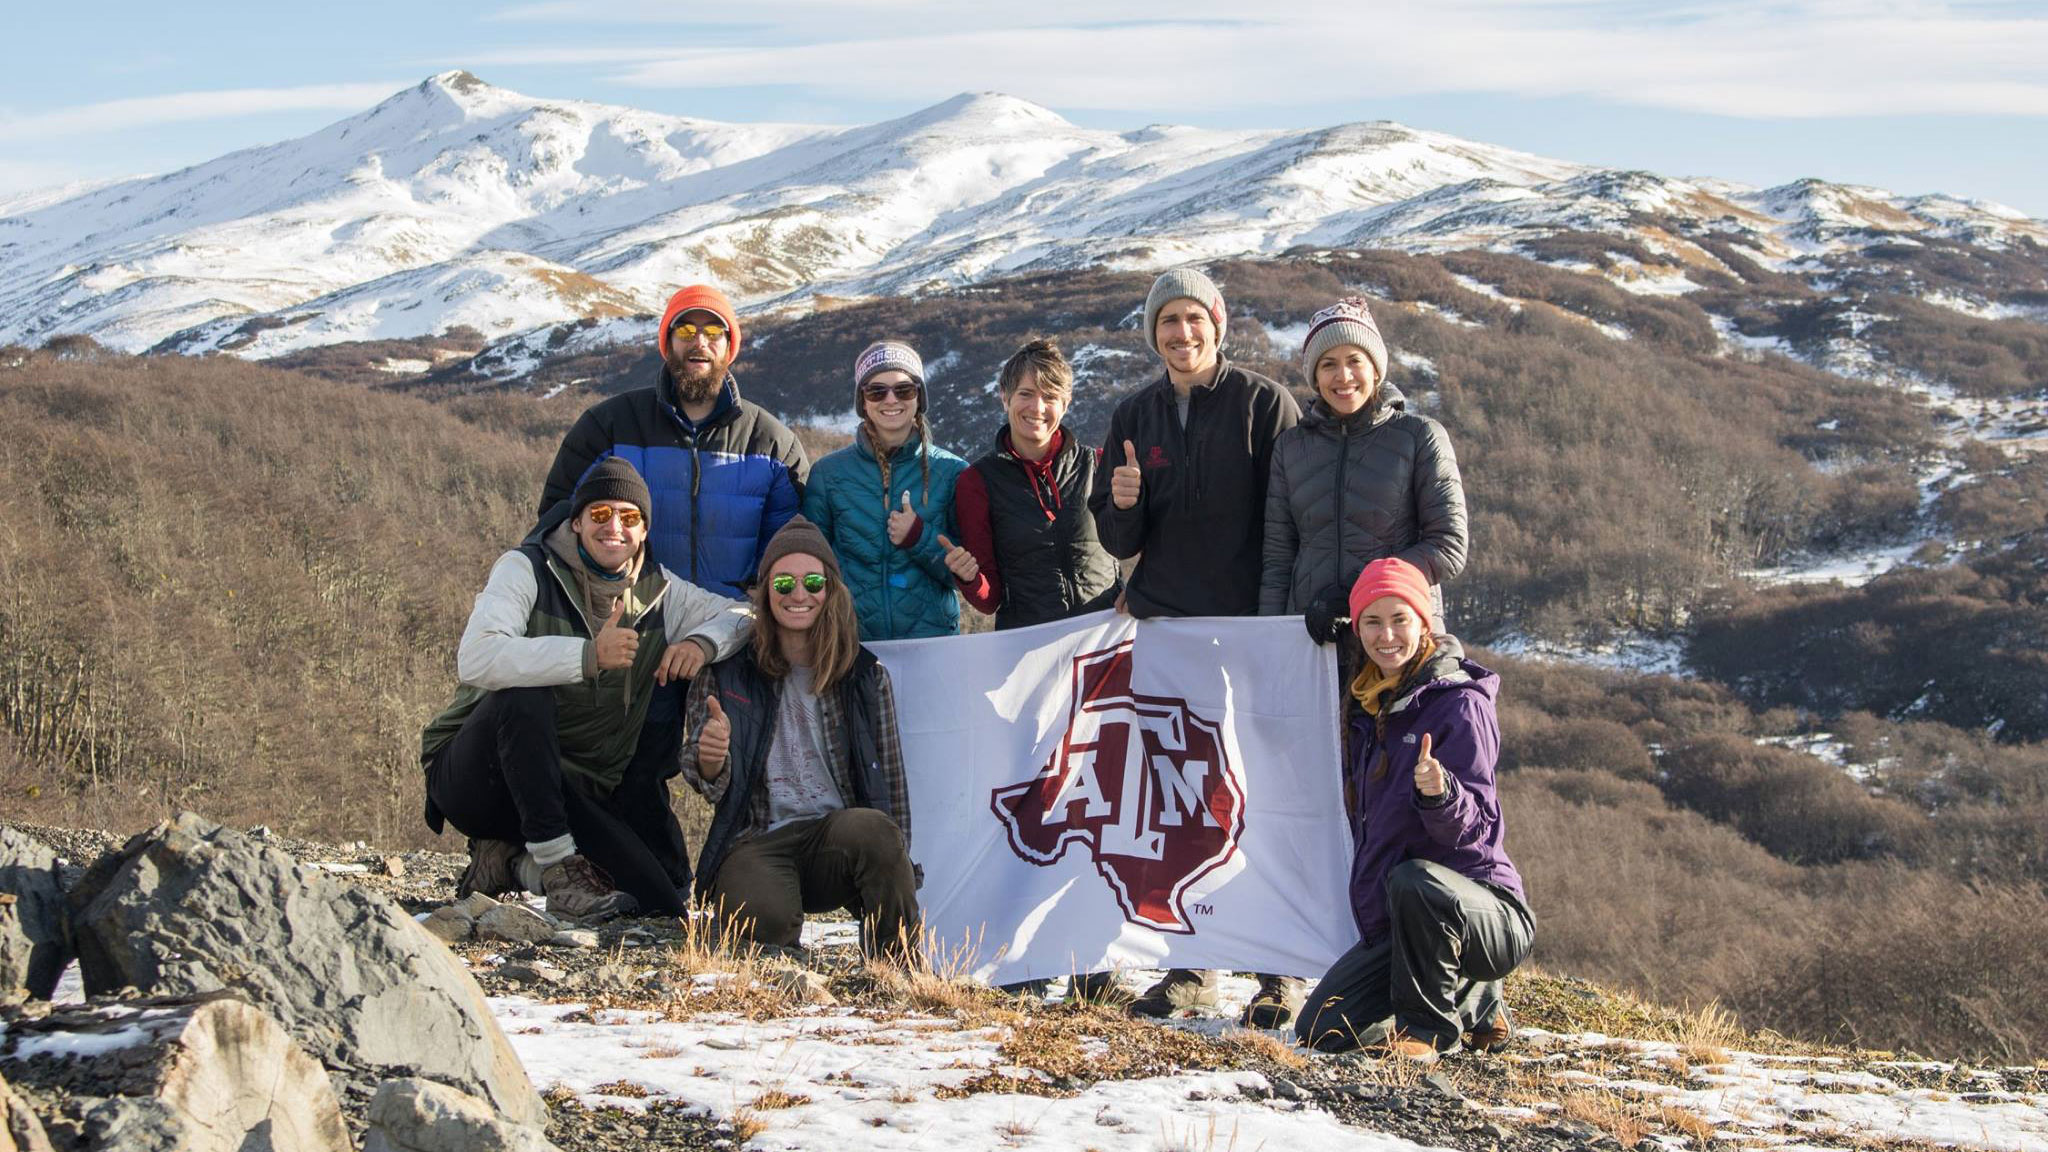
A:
602, 514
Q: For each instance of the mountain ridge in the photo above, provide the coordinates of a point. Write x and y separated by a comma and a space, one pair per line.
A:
279, 248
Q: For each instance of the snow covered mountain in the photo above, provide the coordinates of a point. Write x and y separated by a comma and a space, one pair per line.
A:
456, 203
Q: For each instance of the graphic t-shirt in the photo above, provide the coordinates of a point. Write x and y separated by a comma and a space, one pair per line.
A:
800, 785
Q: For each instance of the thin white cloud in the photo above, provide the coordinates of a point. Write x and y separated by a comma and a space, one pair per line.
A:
185, 107
1764, 59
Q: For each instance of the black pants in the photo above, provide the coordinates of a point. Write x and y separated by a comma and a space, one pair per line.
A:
501, 779
1434, 975
853, 859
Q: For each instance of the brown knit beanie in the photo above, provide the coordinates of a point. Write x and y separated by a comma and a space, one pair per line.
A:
799, 535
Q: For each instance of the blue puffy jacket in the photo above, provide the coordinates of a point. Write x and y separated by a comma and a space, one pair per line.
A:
721, 487
900, 593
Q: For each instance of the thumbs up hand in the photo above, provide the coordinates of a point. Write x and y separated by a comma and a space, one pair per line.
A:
1429, 775
714, 739
1125, 479
902, 522
616, 644
959, 561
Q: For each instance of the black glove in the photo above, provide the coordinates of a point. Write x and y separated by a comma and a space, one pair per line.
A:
1326, 615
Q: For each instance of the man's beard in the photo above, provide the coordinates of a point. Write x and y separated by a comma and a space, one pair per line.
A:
693, 389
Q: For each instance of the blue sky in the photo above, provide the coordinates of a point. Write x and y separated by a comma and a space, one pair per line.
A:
1908, 95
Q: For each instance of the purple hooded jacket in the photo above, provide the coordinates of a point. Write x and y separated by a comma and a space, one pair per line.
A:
1390, 823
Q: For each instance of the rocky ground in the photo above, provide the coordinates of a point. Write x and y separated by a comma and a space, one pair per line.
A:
642, 1035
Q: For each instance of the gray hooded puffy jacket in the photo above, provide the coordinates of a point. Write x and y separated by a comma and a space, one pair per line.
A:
1346, 491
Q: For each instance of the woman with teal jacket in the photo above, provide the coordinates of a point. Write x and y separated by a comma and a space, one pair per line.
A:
885, 502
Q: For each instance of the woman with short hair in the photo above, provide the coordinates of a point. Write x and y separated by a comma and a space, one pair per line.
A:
1028, 552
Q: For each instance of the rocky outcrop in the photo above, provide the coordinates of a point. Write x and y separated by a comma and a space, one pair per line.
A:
422, 1116
190, 908
20, 1131
28, 872
211, 1074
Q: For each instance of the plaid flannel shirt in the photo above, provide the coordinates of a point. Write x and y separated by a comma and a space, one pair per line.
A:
888, 742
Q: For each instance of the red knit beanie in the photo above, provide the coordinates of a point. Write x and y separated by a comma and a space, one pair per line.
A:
1391, 576
707, 298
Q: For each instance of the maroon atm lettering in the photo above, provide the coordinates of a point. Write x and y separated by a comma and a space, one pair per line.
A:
1142, 783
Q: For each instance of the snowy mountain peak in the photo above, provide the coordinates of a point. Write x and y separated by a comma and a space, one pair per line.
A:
456, 201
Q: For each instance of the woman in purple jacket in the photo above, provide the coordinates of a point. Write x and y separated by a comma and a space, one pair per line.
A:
1440, 911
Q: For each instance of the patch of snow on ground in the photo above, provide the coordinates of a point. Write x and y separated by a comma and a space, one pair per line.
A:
871, 1084
1485, 289
1823, 746
405, 367
1650, 655
1747, 347
1287, 337
1755, 1096
1095, 358
1982, 309
1421, 365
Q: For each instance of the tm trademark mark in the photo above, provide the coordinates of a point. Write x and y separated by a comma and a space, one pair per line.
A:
1201, 910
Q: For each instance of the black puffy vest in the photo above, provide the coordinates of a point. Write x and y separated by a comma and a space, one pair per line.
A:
1052, 563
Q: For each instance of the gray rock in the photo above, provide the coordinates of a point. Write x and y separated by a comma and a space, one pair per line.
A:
20, 1131
475, 904
1287, 1089
449, 923
212, 1074
190, 907
803, 985
573, 938
532, 972
412, 1115
515, 924
28, 872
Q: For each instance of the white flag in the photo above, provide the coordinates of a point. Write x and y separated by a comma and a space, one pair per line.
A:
1105, 793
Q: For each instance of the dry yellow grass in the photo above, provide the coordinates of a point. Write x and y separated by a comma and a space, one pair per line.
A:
776, 1098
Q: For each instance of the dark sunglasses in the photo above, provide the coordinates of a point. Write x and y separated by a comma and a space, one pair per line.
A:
689, 331
904, 391
784, 584
603, 513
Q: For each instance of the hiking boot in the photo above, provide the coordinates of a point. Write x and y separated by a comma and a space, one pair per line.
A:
1492, 1035
1179, 989
490, 868
1414, 1049
1097, 988
1275, 1003
580, 890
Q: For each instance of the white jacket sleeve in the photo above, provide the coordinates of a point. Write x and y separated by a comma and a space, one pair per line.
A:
722, 622
497, 653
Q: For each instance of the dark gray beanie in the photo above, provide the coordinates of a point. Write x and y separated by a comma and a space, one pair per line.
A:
612, 479
799, 535
1183, 284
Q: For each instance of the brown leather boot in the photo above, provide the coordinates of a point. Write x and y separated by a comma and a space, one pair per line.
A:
490, 868
580, 890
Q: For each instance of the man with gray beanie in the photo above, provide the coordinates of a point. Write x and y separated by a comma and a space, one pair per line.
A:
534, 758
1189, 454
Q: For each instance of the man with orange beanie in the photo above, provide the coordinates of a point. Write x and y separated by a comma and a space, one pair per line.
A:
725, 475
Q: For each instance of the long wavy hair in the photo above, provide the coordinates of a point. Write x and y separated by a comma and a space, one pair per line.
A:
835, 638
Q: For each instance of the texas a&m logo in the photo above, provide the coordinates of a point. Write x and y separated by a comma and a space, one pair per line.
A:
1140, 781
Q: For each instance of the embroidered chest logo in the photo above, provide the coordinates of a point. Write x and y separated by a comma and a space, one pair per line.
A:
1141, 782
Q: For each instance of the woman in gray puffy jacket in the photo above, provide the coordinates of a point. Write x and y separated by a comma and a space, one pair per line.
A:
1359, 478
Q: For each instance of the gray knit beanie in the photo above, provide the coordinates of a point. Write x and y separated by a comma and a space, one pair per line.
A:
885, 356
1183, 284
1348, 321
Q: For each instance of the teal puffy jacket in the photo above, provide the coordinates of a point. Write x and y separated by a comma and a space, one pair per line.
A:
900, 593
